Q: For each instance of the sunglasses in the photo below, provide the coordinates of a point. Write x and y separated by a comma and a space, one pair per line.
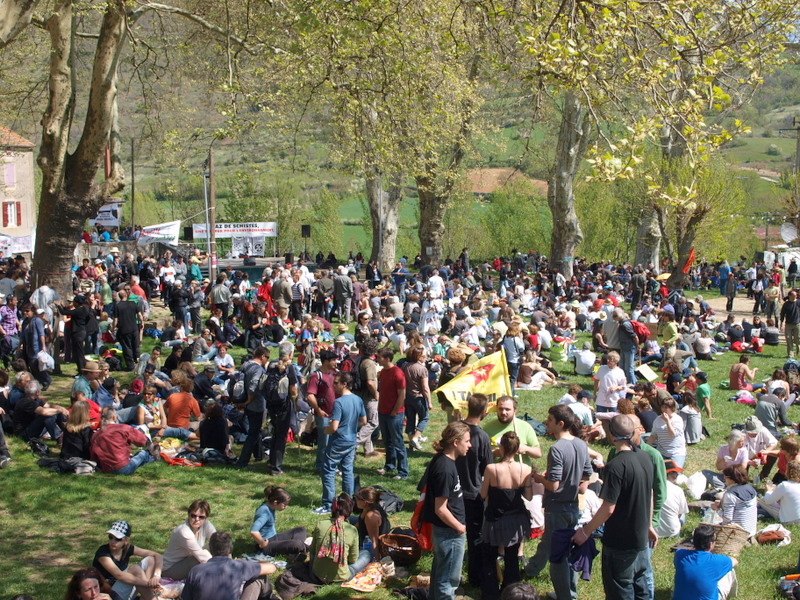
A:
198, 517
113, 538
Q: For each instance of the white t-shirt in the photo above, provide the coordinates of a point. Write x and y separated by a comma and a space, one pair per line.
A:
787, 496
436, 286
583, 412
584, 362
223, 361
674, 507
610, 378
763, 440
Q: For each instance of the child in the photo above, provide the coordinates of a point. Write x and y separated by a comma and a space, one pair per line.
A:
692, 423
703, 392
267, 539
105, 329
788, 450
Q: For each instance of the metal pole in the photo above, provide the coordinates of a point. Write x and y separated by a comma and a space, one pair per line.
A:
796, 125
212, 214
380, 220
133, 187
208, 236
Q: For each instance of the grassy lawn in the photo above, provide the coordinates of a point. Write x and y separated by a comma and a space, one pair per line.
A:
52, 524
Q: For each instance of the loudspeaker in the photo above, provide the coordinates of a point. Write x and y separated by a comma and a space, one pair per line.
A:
188, 233
305, 231
288, 258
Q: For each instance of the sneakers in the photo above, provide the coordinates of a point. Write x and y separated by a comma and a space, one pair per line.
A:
416, 444
321, 511
5, 461
399, 477
372, 454
155, 451
381, 471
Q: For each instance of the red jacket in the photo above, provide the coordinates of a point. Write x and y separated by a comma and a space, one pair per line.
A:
111, 445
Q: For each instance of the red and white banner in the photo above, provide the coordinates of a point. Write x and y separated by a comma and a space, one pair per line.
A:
163, 232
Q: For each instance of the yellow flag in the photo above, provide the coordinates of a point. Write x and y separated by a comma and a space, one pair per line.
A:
488, 375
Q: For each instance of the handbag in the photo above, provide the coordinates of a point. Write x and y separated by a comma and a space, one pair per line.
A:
422, 529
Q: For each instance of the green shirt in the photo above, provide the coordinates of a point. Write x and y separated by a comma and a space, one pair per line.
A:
659, 479
325, 568
527, 436
703, 391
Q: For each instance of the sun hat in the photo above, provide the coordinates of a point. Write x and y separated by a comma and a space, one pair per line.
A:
91, 366
752, 424
120, 529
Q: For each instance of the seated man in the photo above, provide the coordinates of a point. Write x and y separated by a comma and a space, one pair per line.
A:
33, 415
701, 575
111, 446
225, 577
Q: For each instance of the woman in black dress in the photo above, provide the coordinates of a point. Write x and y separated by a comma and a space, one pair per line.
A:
79, 315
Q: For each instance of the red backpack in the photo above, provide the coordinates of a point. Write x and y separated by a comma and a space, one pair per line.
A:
641, 330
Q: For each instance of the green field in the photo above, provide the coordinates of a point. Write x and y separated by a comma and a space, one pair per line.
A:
52, 524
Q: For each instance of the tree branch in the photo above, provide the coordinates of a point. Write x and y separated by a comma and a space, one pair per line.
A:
15, 16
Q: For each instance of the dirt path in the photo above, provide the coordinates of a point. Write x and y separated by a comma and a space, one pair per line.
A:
742, 309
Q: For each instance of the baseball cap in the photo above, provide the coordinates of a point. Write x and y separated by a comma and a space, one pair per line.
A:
672, 467
119, 529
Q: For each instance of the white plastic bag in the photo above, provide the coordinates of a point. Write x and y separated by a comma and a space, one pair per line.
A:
46, 362
696, 484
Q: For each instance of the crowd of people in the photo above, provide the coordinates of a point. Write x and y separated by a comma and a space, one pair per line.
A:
357, 357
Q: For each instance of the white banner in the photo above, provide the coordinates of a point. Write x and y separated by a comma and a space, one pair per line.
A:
16, 245
163, 232
229, 230
108, 215
248, 246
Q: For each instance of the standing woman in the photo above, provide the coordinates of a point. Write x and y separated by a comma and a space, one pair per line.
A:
112, 559
188, 543
444, 509
514, 346
80, 316
418, 401
507, 521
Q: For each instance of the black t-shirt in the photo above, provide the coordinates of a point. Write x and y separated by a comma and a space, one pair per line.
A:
735, 334
442, 481
127, 313
214, 434
471, 467
130, 400
25, 413
628, 484
172, 362
672, 381
121, 564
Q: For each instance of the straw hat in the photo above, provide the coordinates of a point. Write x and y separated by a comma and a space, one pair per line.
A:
92, 366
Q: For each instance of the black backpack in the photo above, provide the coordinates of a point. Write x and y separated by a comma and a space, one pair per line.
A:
389, 501
275, 385
352, 365
237, 391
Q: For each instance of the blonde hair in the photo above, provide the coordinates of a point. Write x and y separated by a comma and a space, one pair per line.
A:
451, 434
78, 416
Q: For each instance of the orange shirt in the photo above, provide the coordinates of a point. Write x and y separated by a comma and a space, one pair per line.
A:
179, 407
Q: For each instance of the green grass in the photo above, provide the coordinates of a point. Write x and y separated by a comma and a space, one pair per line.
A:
52, 524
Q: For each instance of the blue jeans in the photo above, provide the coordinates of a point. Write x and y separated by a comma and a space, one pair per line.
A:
364, 558
252, 444
51, 424
626, 360
339, 454
416, 414
513, 372
392, 433
565, 580
322, 441
448, 556
137, 460
625, 574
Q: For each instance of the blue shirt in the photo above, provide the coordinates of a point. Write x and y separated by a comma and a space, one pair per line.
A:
347, 410
697, 573
264, 522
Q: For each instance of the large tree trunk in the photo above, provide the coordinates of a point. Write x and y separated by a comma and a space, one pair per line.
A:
648, 240
70, 190
686, 233
567, 233
384, 209
432, 207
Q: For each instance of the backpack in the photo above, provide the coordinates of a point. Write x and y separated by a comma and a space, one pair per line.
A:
236, 389
641, 330
791, 366
275, 385
389, 501
352, 365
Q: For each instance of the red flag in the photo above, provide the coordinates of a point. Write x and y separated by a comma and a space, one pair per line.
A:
689, 262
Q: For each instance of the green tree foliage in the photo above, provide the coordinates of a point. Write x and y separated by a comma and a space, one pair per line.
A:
516, 217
